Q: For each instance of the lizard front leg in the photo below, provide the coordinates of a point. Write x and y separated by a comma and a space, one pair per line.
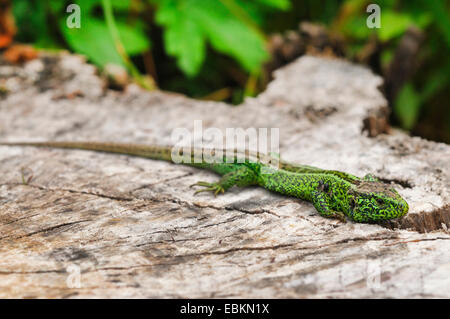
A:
320, 202
242, 176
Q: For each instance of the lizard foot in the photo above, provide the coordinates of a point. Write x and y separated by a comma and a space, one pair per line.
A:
209, 187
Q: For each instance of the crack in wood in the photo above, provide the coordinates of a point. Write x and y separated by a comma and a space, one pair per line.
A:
48, 229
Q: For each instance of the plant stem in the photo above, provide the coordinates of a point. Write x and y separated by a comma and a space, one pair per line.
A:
114, 32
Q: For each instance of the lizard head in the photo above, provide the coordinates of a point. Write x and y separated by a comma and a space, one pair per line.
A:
374, 201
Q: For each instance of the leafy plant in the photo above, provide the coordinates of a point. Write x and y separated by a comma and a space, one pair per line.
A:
231, 27
407, 106
189, 25
219, 46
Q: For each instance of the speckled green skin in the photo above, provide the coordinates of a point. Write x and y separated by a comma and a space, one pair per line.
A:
334, 194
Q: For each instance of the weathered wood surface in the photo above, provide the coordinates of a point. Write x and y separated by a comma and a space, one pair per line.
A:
133, 228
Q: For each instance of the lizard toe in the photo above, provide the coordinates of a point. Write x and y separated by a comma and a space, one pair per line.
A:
215, 188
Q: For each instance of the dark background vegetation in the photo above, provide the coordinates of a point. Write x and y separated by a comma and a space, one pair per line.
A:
226, 49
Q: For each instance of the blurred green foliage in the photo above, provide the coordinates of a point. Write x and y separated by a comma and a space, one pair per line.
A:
93, 39
218, 47
229, 26
433, 18
37, 21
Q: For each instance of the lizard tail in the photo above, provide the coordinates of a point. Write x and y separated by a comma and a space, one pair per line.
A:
146, 151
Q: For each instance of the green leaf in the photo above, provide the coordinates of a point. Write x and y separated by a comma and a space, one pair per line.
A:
386, 57
357, 28
393, 24
134, 39
424, 19
407, 106
190, 50
190, 24
86, 6
183, 37
121, 5
93, 39
229, 35
167, 12
278, 4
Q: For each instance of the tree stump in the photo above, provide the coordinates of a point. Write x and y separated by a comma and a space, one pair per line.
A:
81, 224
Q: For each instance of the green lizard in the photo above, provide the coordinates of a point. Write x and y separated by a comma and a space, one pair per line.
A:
334, 194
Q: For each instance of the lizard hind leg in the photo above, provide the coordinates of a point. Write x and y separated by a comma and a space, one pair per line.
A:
242, 176
370, 178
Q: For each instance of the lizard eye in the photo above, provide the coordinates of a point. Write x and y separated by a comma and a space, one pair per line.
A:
380, 201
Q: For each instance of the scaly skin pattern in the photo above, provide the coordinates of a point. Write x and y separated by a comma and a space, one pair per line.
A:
334, 194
